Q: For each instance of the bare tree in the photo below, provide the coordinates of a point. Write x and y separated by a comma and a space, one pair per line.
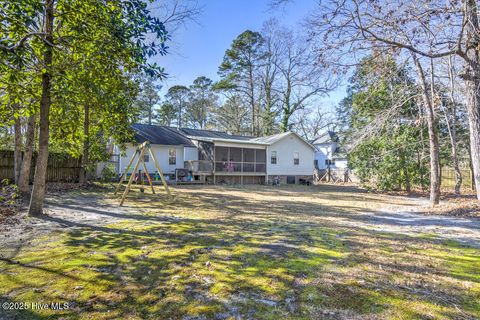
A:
302, 78
269, 74
450, 109
311, 122
430, 29
427, 97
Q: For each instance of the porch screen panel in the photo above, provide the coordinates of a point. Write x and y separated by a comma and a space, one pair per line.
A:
221, 154
248, 155
236, 154
261, 156
260, 160
221, 159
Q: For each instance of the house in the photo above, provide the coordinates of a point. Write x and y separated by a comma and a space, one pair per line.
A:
170, 147
290, 157
219, 157
328, 152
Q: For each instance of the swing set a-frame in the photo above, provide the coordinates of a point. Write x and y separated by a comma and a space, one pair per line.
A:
141, 152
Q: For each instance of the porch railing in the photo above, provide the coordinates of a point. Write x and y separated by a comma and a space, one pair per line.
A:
238, 167
200, 166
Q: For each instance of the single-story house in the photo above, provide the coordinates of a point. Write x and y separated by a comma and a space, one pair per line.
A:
219, 157
170, 147
329, 153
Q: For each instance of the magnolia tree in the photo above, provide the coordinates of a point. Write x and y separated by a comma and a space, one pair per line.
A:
76, 55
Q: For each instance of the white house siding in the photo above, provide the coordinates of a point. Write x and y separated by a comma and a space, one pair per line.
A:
285, 149
190, 154
341, 163
161, 154
324, 152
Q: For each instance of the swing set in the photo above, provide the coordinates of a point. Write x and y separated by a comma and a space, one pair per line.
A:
144, 147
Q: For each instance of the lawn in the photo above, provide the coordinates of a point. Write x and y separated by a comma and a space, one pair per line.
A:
251, 252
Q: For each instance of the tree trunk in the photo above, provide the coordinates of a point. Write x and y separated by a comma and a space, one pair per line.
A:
86, 146
452, 129
473, 107
432, 136
150, 111
408, 186
285, 120
24, 179
470, 163
17, 151
38, 192
472, 79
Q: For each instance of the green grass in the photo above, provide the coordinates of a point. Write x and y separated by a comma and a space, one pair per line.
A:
252, 252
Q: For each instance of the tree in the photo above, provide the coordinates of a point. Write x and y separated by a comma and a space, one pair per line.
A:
429, 109
118, 29
148, 97
202, 101
384, 134
302, 78
311, 122
238, 71
269, 74
167, 113
232, 116
438, 29
178, 96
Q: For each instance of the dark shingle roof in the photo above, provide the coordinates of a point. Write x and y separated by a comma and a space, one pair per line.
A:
160, 135
212, 134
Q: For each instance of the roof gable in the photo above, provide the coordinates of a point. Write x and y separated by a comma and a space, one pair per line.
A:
277, 137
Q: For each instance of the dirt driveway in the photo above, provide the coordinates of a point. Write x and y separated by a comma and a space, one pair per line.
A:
254, 252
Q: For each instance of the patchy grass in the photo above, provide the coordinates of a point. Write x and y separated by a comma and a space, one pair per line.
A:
244, 252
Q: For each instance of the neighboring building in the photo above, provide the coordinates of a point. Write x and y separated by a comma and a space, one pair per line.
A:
218, 157
329, 152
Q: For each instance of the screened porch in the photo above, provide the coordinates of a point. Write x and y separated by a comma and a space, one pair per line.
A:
232, 161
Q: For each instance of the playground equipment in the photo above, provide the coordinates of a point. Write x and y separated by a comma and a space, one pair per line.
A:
140, 152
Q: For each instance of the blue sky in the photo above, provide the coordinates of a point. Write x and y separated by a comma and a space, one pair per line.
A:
198, 48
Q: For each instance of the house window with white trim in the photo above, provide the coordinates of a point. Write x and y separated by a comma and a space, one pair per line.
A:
273, 157
296, 158
172, 156
146, 158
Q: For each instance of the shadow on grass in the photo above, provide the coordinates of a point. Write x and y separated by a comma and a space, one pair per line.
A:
235, 257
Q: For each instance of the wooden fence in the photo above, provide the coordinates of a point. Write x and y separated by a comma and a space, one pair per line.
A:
448, 177
61, 167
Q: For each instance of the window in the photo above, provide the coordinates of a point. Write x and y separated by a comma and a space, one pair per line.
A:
273, 157
172, 156
329, 162
296, 158
145, 158
315, 163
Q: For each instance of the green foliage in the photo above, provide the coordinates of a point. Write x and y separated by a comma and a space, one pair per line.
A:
99, 51
391, 161
391, 155
177, 96
109, 173
148, 97
166, 114
202, 103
